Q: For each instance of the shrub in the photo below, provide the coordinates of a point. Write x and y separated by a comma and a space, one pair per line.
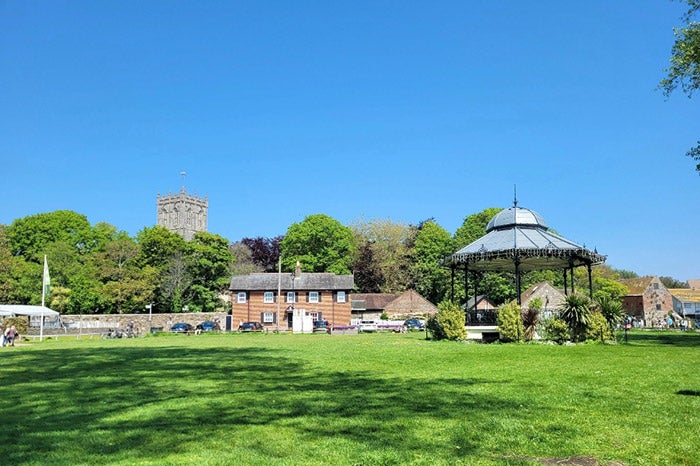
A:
510, 323
576, 312
20, 323
611, 309
448, 322
598, 328
556, 330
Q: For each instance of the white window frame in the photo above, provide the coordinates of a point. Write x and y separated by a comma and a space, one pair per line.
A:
241, 297
340, 297
268, 317
269, 297
313, 296
291, 297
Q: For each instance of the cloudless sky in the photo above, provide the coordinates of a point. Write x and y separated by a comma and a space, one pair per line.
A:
359, 110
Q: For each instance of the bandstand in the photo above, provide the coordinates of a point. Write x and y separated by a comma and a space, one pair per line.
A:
518, 240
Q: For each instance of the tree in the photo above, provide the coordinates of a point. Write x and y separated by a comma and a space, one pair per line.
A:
474, 227
264, 252
576, 312
685, 63
611, 309
368, 277
391, 244
208, 265
670, 282
320, 243
28, 236
432, 244
243, 260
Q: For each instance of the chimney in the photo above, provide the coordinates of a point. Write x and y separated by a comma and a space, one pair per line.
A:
297, 270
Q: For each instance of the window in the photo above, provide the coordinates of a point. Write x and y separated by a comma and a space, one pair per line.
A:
241, 297
340, 297
291, 297
658, 307
268, 317
269, 297
313, 296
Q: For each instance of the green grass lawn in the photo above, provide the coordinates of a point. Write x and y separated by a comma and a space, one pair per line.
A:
381, 399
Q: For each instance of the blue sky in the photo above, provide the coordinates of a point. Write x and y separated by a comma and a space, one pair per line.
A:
367, 109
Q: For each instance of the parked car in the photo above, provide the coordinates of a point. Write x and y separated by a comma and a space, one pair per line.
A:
181, 327
414, 324
368, 326
251, 327
209, 326
322, 326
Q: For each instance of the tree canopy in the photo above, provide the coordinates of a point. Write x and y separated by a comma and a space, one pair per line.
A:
684, 71
320, 243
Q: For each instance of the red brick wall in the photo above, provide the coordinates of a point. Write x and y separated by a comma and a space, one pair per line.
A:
252, 310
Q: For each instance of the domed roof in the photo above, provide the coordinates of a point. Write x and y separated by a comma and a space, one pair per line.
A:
516, 216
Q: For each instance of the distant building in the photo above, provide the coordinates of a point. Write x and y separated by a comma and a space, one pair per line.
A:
397, 306
323, 296
694, 284
551, 298
648, 299
686, 302
182, 213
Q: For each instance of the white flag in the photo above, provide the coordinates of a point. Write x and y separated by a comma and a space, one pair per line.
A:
47, 279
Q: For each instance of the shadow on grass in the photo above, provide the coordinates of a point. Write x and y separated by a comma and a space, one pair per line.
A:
688, 392
661, 338
136, 404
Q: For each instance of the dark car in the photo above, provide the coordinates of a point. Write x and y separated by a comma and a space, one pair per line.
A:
322, 326
414, 324
250, 327
209, 326
181, 327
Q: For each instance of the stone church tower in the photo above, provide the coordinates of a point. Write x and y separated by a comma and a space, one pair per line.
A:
183, 214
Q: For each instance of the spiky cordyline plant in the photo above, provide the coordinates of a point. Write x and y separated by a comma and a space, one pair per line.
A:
531, 317
576, 311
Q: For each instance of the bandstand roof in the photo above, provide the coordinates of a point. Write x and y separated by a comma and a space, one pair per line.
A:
522, 233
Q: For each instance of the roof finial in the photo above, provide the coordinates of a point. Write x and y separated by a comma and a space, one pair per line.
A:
184, 176
515, 195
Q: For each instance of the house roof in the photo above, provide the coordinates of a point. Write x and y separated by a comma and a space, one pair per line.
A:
288, 281
376, 301
479, 298
527, 294
408, 301
685, 295
523, 234
637, 286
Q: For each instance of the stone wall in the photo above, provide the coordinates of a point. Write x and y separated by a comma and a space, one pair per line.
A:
100, 323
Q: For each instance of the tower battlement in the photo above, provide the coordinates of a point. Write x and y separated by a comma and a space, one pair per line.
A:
182, 213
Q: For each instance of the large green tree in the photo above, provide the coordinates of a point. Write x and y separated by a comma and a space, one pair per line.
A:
320, 243
474, 227
392, 247
684, 71
432, 244
29, 236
